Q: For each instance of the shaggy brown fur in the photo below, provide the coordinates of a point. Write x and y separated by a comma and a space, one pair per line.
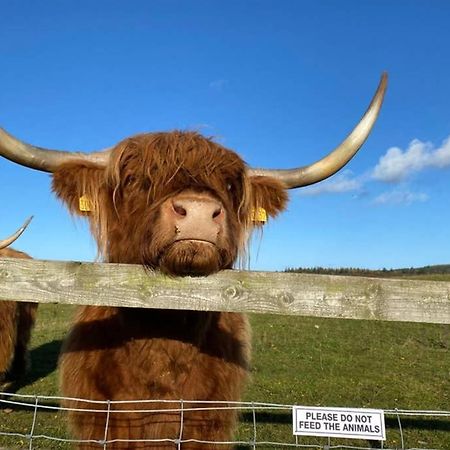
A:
16, 322
128, 354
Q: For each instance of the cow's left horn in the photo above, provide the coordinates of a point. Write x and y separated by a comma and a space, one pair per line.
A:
41, 158
11, 239
339, 157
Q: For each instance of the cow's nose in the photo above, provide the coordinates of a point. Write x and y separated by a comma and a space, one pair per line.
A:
201, 209
197, 217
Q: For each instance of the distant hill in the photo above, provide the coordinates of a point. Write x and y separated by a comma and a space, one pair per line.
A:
441, 269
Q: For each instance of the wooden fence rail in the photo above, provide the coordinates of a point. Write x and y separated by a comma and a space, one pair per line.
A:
239, 291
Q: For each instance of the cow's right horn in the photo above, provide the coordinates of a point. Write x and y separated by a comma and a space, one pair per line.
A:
338, 158
8, 241
41, 158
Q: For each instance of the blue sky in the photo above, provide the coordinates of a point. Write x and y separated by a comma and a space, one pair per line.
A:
280, 82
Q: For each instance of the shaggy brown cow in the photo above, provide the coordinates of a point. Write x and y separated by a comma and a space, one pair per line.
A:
16, 322
180, 203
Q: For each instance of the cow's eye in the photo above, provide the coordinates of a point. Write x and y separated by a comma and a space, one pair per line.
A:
146, 185
129, 180
229, 187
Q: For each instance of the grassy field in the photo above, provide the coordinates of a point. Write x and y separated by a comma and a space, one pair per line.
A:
296, 360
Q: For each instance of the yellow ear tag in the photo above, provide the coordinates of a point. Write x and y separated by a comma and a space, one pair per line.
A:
85, 204
259, 215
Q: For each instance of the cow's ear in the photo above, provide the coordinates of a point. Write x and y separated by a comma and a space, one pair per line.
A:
269, 194
80, 185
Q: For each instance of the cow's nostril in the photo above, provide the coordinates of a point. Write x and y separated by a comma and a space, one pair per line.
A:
179, 210
217, 213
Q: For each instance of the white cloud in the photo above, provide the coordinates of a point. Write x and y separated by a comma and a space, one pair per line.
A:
442, 155
343, 182
218, 85
397, 197
397, 165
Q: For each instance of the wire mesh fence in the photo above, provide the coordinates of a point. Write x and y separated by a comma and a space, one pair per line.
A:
42, 425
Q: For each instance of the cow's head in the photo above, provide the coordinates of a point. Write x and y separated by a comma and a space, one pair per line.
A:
9, 240
176, 201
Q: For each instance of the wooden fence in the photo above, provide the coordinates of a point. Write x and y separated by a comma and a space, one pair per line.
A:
230, 290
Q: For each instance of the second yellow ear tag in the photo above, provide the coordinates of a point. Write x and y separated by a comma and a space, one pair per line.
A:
259, 215
85, 204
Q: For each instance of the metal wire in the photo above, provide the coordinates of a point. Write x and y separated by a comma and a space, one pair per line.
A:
257, 438
105, 438
34, 422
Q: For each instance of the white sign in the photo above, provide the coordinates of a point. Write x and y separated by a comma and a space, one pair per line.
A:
339, 422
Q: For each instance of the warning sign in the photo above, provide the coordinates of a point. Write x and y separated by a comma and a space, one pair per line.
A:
339, 422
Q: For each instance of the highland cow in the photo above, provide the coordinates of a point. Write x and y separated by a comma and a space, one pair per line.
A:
180, 203
16, 322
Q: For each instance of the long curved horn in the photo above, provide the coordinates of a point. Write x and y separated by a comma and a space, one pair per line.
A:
339, 157
11, 239
41, 158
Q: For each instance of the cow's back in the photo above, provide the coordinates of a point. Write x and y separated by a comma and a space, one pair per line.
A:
16, 321
11, 253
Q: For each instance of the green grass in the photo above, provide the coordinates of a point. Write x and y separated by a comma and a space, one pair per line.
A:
52, 324
296, 360
431, 277
330, 362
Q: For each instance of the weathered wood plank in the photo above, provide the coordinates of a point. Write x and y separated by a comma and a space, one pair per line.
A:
239, 291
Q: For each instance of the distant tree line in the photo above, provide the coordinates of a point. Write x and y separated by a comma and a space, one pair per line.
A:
355, 271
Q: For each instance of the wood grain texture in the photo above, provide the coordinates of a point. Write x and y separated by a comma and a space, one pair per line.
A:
239, 291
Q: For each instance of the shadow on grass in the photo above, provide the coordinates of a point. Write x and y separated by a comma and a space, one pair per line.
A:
392, 423
285, 418
44, 360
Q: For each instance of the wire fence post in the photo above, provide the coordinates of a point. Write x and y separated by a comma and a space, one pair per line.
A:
33, 424
400, 429
105, 437
180, 436
254, 425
